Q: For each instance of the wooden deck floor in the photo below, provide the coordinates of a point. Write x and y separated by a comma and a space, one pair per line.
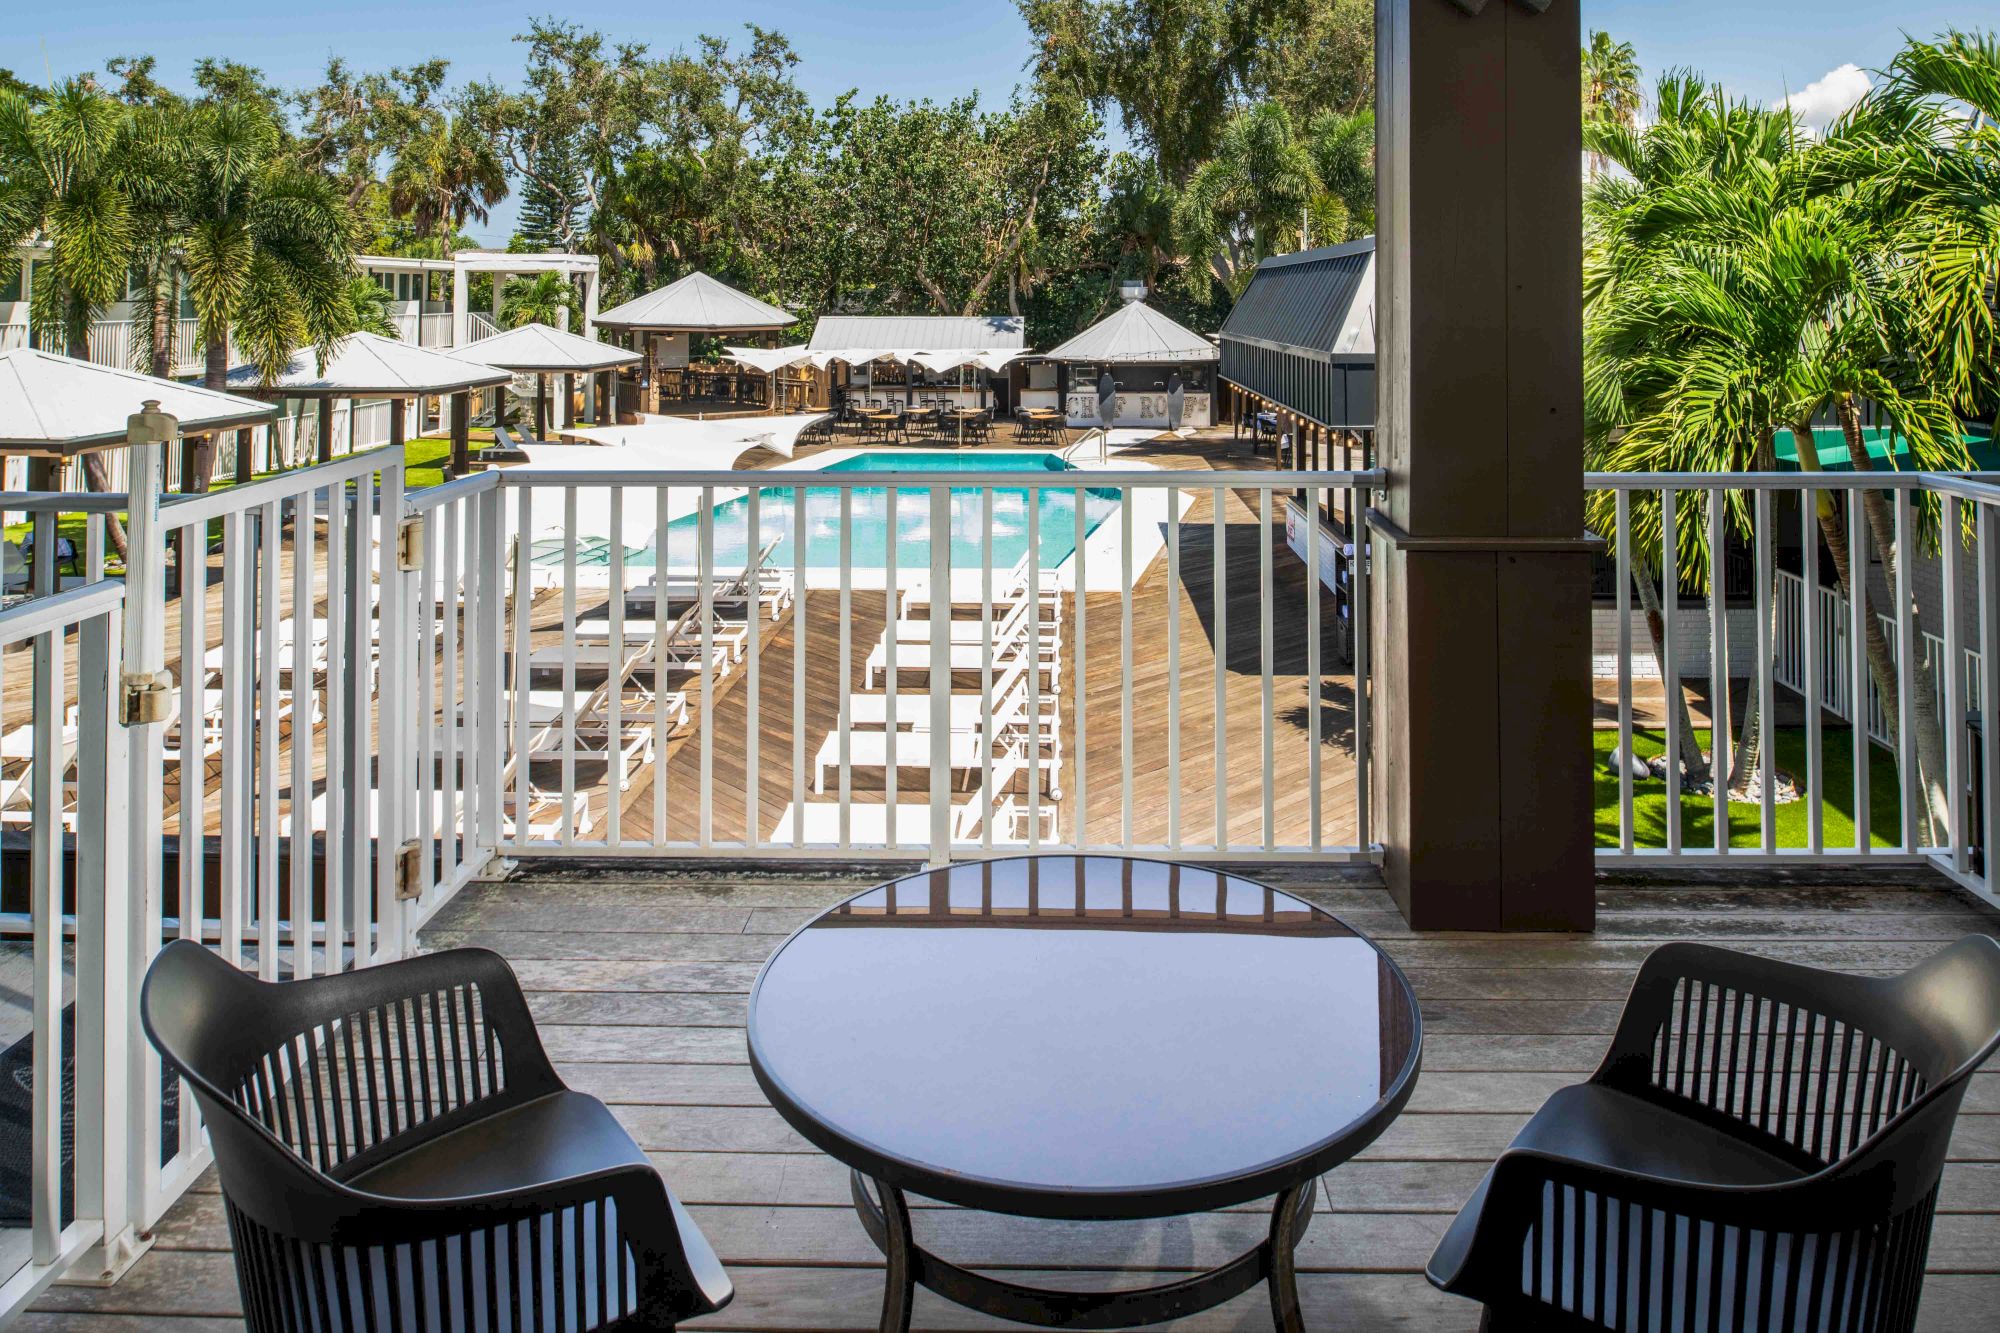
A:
639, 977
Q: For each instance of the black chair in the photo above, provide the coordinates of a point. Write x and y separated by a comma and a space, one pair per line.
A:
1760, 1149
397, 1154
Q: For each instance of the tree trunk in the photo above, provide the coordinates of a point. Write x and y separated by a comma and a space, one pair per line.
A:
1693, 760
214, 375
1938, 813
1749, 755
163, 343
94, 477
93, 466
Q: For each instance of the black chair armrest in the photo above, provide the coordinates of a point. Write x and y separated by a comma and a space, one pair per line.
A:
645, 1213
1520, 1179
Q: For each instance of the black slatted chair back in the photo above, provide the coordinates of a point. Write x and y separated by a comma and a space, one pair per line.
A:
1761, 1149
377, 1134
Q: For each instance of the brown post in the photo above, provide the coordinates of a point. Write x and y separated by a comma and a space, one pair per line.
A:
649, 401
325, 450
461, 432
397, 426
1482, 563
569, 399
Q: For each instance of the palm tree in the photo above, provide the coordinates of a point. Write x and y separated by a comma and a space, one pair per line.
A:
1741, 298
266, 247
1249, 201
368, 306
545, 298
59, 182
444, 175
1610, 87
1632, 364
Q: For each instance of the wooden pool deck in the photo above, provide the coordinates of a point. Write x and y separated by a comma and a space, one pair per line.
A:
639, 980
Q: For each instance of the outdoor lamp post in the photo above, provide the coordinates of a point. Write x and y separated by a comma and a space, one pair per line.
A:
143, 682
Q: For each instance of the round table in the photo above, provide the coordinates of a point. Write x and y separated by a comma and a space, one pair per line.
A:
1088, 1038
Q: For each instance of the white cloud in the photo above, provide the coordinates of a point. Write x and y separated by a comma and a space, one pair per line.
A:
1821, 102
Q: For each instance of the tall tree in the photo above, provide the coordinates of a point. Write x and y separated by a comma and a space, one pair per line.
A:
59, 181
1178, 71
445, 174
1250, 200
1610, 86
266, 247
1737, 298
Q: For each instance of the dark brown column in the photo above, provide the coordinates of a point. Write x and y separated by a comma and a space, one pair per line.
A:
398, 427
569, 400
1483, 677
325, 450
461, 433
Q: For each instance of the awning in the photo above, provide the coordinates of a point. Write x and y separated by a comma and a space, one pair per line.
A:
701, 446
770, 360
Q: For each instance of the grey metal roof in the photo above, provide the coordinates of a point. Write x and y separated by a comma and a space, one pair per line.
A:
698, 303
367, 365
1135, 332
52, 404
1305, 300
919, 333
539, 348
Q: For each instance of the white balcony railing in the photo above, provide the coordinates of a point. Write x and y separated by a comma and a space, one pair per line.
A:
381, 695
360, 722
1815, 647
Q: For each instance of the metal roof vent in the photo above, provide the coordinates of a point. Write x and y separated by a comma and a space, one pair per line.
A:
1132, 289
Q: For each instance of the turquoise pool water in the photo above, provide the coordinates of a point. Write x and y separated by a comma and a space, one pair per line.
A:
733, 546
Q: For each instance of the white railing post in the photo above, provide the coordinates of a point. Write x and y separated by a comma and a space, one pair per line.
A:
485, 668
940, 672
394, 753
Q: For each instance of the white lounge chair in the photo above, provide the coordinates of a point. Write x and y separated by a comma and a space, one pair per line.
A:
868, 825
770, 588
1016, 640
1009, 744
1008, 587
17, 790
1007, 620
913, 706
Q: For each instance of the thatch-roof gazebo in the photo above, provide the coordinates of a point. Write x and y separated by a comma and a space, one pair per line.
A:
694, 305
368, 366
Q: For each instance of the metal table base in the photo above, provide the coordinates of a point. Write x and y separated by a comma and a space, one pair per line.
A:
886, 1216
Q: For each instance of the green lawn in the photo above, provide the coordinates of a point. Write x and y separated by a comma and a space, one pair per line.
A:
1649, 814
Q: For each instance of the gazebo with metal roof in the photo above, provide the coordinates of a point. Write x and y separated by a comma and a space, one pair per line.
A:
696, 305
541, 351
1144, 352
367, 366
55, 406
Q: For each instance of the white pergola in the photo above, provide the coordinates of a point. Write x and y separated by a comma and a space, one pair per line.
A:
503, 265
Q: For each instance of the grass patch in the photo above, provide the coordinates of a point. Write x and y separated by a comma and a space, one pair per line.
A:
1649, 799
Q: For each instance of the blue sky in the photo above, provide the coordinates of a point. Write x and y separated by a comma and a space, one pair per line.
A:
1763, 49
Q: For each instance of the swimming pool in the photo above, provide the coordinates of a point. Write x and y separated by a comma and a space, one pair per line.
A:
733, 547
